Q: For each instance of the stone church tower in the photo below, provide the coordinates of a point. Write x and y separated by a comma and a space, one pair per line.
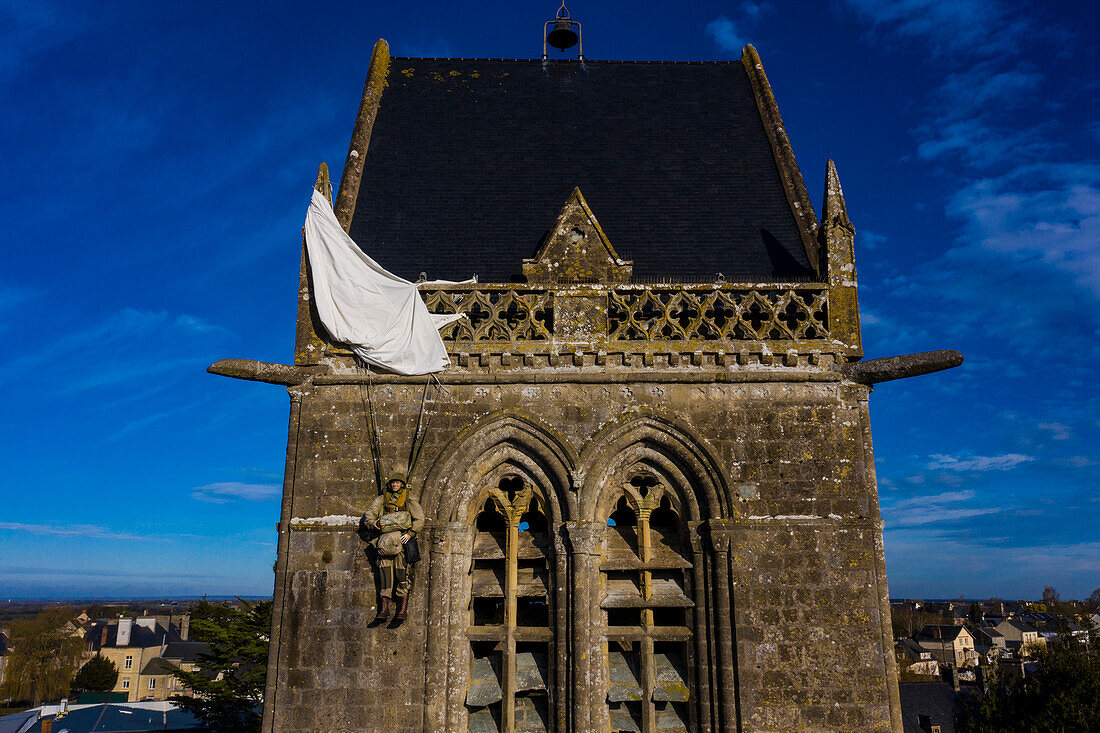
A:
648, 474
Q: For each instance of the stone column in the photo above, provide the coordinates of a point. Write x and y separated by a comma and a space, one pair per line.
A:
458, 617
589, 710
560, 692
702, 614
721, 535
445, 538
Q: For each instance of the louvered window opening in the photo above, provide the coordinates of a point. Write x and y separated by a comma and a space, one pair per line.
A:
646, 599
510, 632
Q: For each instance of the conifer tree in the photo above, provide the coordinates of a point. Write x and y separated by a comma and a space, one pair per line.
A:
229, 681
98, 675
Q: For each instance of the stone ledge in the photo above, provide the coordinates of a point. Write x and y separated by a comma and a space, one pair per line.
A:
576, 376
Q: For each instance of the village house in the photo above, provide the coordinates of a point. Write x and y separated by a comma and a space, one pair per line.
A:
146, 651
915, 659
993, 608
1020, 637
990, 643
949, 644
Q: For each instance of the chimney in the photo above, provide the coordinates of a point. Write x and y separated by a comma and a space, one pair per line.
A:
185, 626
103, 636
124, 626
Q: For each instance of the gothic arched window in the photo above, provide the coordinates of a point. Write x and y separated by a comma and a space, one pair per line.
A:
510, 629
647, 602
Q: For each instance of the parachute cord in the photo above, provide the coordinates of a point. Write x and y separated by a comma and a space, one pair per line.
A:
372, 426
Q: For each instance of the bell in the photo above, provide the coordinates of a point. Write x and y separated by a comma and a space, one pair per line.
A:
562, 36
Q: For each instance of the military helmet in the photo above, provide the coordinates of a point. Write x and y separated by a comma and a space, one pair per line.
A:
398, 476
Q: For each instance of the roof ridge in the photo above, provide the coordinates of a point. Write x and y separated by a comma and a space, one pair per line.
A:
569, 61
802, 208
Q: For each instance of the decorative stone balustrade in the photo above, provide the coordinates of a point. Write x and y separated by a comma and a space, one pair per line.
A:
626, 313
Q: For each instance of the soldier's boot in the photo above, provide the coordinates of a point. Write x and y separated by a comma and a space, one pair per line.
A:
402, 608
383, 611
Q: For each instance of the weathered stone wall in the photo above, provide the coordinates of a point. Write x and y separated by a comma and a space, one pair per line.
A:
792, 531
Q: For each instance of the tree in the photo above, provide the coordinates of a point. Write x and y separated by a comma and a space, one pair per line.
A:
976, 613
1054, 603
907, 622
98, 675
229, 681
44, 653
1094, 600
217, 613
1063, 694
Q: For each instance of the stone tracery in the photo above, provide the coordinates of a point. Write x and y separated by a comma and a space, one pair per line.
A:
633, 592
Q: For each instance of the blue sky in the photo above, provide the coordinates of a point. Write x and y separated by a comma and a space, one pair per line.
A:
158, 160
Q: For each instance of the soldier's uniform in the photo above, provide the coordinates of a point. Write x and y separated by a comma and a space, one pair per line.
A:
396, 514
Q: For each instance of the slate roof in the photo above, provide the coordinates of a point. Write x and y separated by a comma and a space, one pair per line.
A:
948, 632
934, 699
187, 651
156, 666
915, 649
470, 160
14, 723
121, 719
139, 635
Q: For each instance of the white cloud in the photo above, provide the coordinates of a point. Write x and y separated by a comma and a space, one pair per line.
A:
870, 240
725, 35
968, 113
1057, 430
1048, 213
987, 566
968, 26
943, 498
128, 346
949, 506
867, 318
1026, 221
974, 140
984, 84
198, 325
223, 493
971, 115
754, 10
977, 463
81, 530
1078, 462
